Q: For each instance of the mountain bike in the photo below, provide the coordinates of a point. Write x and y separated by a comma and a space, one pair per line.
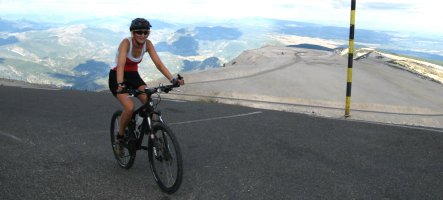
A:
164, 153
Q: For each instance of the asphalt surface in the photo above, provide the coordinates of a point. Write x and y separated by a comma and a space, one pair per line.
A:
56, 145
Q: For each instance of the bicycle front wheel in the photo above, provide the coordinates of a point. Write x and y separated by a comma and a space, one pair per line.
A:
165, 158
123, 156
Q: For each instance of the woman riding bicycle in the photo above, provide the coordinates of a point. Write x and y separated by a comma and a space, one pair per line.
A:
125, 74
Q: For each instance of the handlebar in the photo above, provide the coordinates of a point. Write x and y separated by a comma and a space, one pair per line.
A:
153, 90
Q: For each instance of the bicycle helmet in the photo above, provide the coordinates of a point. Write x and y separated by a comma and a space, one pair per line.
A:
140, 23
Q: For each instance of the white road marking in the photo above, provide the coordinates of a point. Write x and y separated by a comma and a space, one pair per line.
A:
174, 100
217, 118
11, 136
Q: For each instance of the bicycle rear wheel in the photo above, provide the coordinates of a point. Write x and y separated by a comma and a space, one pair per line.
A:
165, 158
123, 156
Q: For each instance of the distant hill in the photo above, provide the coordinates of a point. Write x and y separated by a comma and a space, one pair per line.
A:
424, 69
22, 25
312, 46
9, 40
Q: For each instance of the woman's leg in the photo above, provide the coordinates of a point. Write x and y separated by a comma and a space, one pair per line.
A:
128, 109
142, 97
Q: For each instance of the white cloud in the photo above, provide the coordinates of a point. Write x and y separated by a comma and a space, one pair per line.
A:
401, 15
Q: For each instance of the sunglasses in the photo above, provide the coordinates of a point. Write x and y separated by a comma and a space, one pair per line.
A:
142, 32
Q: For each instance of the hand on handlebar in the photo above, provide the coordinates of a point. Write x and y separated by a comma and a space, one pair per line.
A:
120, 87
177, 81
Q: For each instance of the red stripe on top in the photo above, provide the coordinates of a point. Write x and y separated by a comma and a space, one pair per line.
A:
130, 66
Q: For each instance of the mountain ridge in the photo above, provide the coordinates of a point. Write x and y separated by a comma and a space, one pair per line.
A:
51, 53
92, 69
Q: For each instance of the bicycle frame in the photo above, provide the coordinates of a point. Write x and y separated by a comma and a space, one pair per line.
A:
147, 112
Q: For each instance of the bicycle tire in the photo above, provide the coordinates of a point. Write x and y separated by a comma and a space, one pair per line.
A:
127, 159
165, 177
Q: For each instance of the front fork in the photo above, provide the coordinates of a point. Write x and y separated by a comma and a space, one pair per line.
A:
157, 118
154, 117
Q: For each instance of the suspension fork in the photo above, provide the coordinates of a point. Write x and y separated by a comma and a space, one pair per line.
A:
159, 116
150, 123
150, 119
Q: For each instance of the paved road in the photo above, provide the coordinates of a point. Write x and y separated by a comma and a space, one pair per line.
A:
55, 145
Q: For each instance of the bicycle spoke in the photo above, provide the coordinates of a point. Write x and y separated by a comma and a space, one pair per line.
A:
168, 175
168, 170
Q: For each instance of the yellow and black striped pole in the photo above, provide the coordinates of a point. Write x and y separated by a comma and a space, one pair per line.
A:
350, 59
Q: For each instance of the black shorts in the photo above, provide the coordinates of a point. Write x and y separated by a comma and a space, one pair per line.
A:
132, 80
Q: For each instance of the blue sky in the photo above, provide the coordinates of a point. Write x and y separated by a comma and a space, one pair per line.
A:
415, 16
